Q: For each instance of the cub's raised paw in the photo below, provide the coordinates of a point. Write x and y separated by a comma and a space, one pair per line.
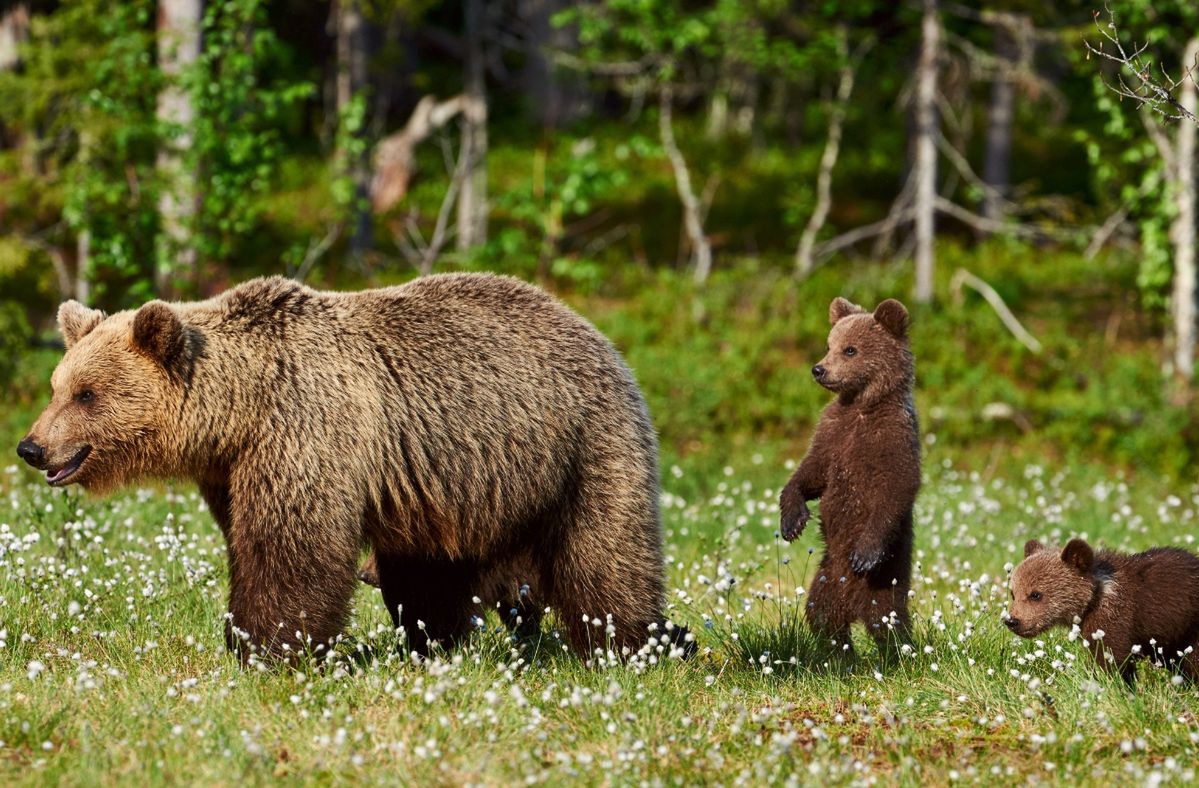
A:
791, 523
866, 559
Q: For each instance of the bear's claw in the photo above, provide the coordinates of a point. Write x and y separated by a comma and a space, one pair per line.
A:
791, 524
864, 560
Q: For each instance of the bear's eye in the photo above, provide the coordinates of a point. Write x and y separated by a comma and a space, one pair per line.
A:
851, 351
85, 396
1035, 596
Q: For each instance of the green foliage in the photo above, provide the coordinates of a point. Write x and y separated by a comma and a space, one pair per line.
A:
86, 102
236, 139
14, 337
1124, 157
560, 185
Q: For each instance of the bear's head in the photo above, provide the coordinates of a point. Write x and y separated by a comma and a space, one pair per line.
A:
1051, 587
114, 396
868, 354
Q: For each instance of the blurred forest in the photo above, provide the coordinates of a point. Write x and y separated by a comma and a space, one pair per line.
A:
699, 178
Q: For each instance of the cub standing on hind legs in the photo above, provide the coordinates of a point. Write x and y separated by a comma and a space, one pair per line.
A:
864, 466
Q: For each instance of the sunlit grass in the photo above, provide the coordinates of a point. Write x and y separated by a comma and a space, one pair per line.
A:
113, 667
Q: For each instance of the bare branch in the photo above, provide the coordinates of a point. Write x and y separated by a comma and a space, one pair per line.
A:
963, 277
395, 155
1147, 89
316, 250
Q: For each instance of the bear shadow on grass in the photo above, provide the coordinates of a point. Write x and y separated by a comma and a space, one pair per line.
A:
792, 647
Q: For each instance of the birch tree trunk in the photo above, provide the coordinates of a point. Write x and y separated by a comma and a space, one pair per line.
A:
1183, 231
693, 222
804, 261
179, 26
472, 197
14, 31
926, 152
352, 80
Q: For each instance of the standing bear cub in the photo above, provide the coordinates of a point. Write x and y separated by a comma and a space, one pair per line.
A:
1127, 607
486, 442
864, 466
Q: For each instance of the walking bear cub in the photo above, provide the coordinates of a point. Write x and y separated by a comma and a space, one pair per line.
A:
1127, 607
485, 441
864, 466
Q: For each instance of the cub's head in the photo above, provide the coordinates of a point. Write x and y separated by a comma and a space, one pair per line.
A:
115, 394
868, 354
1051, 587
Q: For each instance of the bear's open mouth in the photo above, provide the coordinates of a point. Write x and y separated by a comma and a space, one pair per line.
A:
60, 476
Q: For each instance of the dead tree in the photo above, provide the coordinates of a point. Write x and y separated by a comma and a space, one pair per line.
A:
395, 155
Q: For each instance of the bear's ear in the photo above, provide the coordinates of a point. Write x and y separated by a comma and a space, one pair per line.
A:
1078, 554
842, 308
1031, 547
158, 333
75, 321
892, 316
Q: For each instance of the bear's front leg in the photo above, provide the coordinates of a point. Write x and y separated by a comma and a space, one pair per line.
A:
292, 570
805, 485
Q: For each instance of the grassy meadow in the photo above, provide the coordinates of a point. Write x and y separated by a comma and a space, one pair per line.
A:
113, 667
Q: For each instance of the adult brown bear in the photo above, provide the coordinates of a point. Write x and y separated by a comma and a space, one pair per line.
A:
484, 440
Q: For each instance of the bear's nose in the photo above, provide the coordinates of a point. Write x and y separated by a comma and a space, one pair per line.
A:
1012, 623
31, 453
818, 372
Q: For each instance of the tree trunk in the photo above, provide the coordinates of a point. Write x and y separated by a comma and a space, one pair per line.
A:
926, 152
693, 223
352, 80
1183, 231
1000, 113
551, 94
83, 253
14, 30
179, 26
472, 197
804, 261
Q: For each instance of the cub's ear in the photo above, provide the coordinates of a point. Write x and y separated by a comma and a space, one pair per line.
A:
1078, 554
842, 308
158, 333
1031, 547
892, 316
75, 321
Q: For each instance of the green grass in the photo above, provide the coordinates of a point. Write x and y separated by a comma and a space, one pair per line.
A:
113, 669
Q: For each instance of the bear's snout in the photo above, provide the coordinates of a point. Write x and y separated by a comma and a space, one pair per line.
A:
819, 372
1013, 623
32, 453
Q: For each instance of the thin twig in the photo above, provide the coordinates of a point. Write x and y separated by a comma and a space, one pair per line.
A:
1147, 89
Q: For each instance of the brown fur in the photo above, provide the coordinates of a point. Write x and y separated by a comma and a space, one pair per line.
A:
864, 466
1148, 600
473, 431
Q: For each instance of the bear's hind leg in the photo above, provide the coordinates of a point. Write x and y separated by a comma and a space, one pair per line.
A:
607, 573
429, 598
830, 614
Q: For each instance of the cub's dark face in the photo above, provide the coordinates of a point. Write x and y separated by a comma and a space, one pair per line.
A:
868, 354
1050, 588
